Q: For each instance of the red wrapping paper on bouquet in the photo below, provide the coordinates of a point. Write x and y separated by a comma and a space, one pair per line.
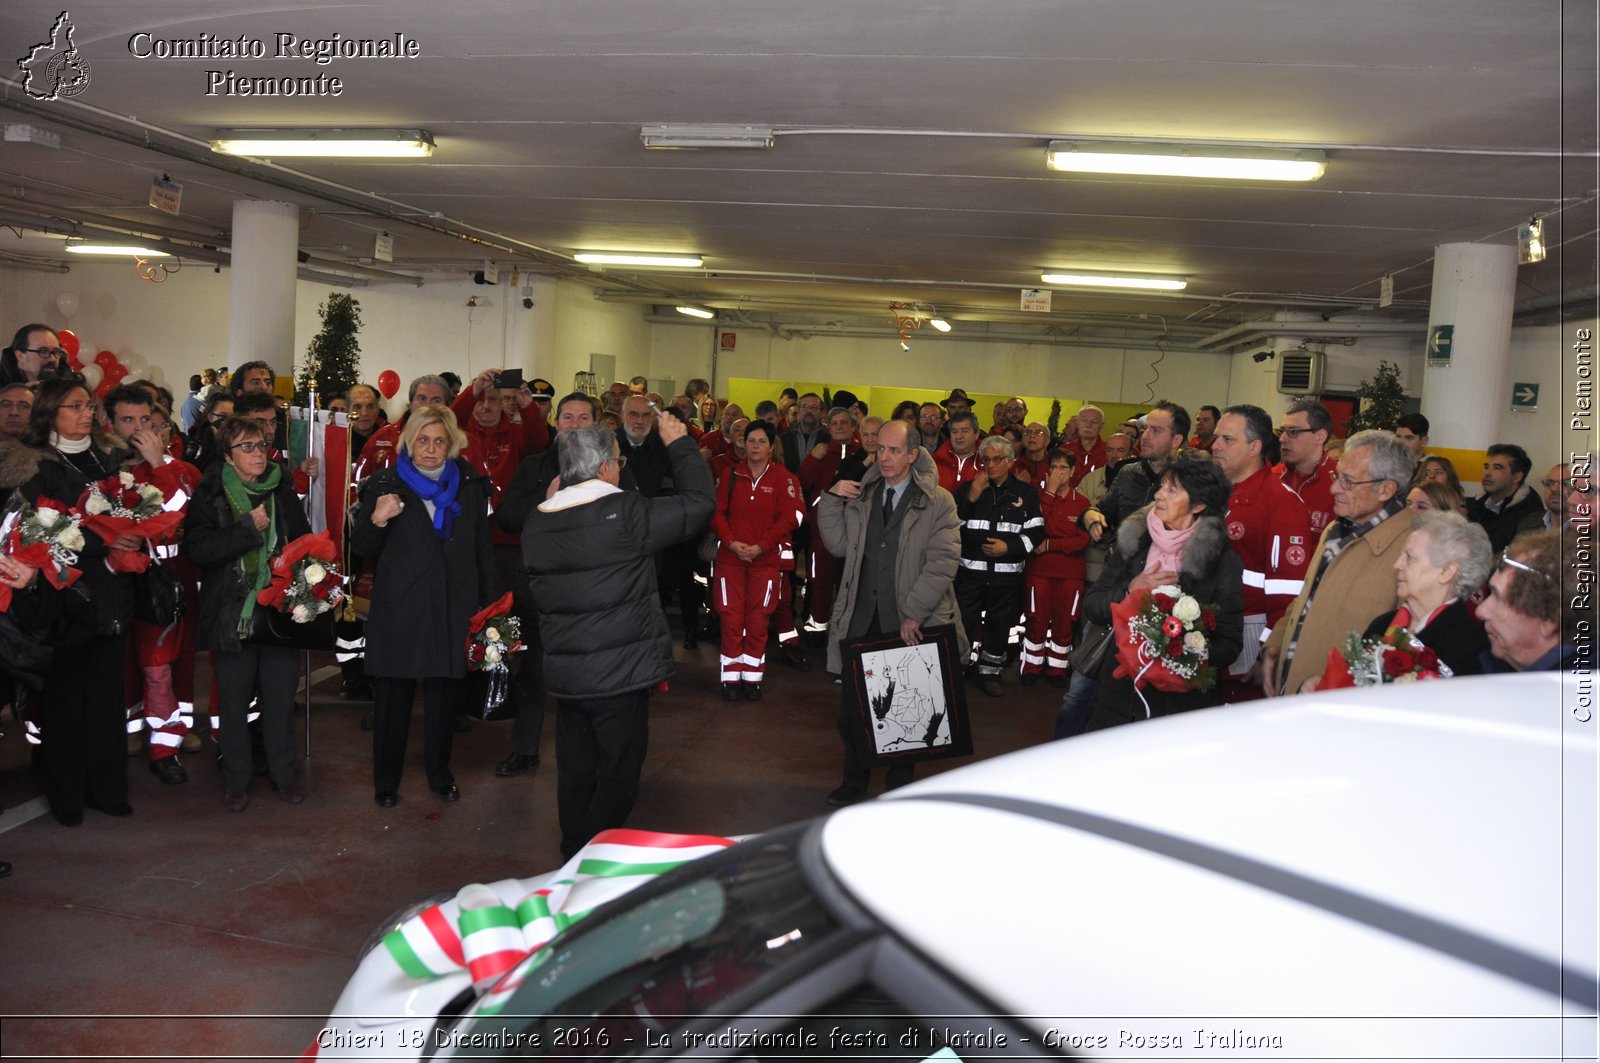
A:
501, 606
1337, 674
37, 555
316, 546
1134, 656
168, 479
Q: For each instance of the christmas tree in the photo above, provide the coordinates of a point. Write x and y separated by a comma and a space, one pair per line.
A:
333, 359
1381, 400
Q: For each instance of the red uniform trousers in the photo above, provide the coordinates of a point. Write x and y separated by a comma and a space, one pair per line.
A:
744, 597
1049, 608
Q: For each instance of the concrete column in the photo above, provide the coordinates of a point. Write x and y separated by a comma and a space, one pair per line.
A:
1474, 289
266, 239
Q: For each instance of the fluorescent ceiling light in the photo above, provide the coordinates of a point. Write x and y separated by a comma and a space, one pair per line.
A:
115, 249
1150, 281
325, 143
695, 311
706, 136
1177, 160
939, 323
628, 258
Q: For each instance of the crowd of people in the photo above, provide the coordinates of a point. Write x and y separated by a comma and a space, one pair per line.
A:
805, 522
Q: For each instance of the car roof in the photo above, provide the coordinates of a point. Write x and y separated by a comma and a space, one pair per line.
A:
1409, 849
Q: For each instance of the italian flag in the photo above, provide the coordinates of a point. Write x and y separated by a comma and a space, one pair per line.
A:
489, 929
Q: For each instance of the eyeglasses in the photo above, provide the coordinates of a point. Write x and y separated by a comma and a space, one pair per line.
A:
1295, 433
1568, 486
1345, 482
76, 407
43, 352
1514, 563
251, 447
621, 461
993, 459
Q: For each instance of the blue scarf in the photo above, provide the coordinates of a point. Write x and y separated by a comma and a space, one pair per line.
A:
441, 492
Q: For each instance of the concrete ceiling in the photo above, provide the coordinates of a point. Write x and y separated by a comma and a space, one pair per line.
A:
909, 156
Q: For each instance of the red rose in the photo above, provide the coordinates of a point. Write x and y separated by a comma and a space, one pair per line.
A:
1172, 627
1398, 662
1175, 648
1165, 602
1209, 619
1428, 659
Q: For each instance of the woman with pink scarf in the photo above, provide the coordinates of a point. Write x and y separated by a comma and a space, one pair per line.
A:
1179, 539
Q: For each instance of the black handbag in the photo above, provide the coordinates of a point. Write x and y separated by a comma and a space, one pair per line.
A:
160, 597
269, 627
1089, 651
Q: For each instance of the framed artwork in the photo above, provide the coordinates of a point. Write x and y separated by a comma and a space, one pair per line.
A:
911, 700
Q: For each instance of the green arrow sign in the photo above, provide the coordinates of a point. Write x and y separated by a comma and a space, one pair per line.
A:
1524, 396
1440, 338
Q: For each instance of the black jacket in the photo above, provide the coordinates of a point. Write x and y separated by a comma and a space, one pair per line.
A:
588, 552
1524, 511
1210, 571
1008, 511
1454, 635
424, 589
1134, 486
214, 540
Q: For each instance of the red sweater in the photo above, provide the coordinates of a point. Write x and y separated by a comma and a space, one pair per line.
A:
954, 471
1316, 491
1270, 529
1085, 461
761, 511
1064, 540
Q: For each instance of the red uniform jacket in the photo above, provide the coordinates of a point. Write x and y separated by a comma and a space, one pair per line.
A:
1270, 529
762, 511
1064, 540
1030, 471
1316, 491
1085, 461
498, 451
954, 471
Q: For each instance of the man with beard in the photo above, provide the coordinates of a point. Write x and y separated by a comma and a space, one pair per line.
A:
806, 432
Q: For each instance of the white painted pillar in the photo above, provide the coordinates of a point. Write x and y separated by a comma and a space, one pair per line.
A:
1474, 289
266, 239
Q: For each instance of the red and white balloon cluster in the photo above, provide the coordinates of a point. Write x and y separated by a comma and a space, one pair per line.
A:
102, 371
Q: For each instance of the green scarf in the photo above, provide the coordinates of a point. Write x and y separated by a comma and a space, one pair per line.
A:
256, 564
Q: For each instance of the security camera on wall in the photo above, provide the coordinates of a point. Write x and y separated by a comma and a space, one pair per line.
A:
1261, 356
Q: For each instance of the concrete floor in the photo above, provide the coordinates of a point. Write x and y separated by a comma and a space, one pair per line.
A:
189, 932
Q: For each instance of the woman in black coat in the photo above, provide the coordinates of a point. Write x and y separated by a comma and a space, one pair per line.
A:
82, 712
1181, 538
244, 512
424, 527
1446, 561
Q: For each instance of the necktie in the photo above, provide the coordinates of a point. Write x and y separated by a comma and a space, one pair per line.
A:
888, 504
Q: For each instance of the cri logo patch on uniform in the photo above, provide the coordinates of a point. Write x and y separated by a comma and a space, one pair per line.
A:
1296, 554
1235, 530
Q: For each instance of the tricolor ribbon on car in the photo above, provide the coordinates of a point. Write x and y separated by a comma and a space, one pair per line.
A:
499, 925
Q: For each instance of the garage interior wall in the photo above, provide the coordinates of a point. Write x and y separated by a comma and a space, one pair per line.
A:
181, 325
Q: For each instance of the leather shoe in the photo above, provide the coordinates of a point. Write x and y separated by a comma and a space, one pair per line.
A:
730, 692
192, 743
386, 798
752, 692
794, 658
355, 690
121, 808
516, 764
449, 793
992, 687
1027, 679
68, 819
235, 800
5, 868
846, 795
169, 771
1058, 680
291, 793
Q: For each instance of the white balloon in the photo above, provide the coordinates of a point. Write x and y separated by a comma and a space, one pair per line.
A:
135, 366
67, 303
92, 375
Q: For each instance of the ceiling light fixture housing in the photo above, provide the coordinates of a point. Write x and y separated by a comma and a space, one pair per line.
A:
696, 311
1179, 160
636, 258
325, 143
755, 138
116, 249
1155, 282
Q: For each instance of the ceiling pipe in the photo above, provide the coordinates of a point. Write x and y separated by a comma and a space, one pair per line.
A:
786, 331
1254, 331
1536, 303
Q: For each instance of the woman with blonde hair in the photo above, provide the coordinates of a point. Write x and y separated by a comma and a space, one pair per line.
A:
423, 526
1436, 494
1439, 470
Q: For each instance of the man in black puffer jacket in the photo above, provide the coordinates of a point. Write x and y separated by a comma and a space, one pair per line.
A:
590, 555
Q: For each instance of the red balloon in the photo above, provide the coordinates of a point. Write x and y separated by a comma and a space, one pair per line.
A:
389, 383
105, 359
69, 343
103, 388
115, 372
73, 361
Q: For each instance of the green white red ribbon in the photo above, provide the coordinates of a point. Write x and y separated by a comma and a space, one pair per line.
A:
497, 926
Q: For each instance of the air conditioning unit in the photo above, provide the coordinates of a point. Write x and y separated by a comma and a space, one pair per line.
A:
1301, 372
